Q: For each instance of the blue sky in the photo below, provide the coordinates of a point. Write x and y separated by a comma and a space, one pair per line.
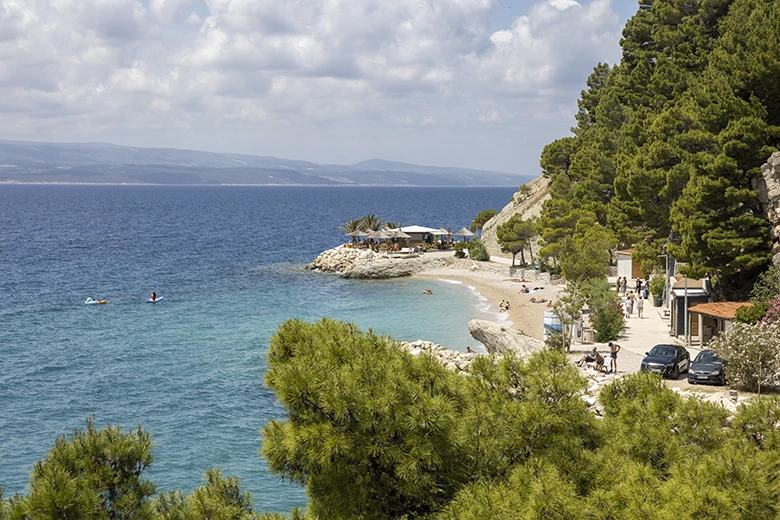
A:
471, 83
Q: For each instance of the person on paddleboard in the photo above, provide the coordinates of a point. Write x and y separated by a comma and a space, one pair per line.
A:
154, 296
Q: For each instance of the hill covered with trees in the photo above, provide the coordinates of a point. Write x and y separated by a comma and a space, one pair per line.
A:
668, 141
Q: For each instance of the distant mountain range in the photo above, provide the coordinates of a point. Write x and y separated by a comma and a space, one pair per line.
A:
104, 163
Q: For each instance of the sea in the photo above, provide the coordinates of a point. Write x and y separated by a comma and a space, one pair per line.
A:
229, 262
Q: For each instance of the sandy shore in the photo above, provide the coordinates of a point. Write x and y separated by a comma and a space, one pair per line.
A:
526, 316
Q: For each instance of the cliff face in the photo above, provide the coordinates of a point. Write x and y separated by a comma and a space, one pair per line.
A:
528, 205
768, 186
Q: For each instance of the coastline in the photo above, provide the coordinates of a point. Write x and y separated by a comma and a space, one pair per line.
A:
524, 315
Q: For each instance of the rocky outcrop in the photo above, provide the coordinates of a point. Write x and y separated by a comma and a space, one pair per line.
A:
768, 186
355, 263
527, 203
384, 268
452, 359
499, 339
340, 259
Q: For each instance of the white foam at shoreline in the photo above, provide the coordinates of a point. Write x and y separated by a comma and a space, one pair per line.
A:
486, 307
453, 282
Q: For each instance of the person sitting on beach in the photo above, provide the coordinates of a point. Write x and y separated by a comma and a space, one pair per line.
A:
469, 351
506, 305
524, 290
587, 358
599, 362
502, 306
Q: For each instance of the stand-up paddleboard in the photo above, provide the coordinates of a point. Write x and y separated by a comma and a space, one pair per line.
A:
158, 299
90, 301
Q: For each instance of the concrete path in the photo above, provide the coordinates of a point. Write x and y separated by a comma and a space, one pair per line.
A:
638, 338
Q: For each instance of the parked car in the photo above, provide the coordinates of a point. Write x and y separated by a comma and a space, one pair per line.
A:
667, 360
707, 367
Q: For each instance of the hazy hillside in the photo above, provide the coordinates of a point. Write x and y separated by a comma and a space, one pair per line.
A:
107, 163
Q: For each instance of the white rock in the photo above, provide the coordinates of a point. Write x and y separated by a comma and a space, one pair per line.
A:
499, 338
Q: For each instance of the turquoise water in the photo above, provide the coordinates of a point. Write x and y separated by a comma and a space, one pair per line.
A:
229, 262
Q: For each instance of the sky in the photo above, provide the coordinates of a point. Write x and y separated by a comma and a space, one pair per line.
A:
472, 83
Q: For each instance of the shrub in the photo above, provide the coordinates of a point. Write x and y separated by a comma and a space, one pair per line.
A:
608, 322
767, 286
547, 267
558, 341
460, 248
772, 314
657, 283
751, 314
478, 251
752, 354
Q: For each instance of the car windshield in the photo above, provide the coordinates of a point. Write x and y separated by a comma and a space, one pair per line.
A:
663, 351
707, 356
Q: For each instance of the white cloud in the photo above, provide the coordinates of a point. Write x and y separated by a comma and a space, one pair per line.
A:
328, 80
563, 4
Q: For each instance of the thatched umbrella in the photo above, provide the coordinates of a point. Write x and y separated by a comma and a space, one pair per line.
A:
465, 233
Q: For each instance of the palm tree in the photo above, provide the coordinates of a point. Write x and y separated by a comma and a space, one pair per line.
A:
372, 222
393, 225
352, 225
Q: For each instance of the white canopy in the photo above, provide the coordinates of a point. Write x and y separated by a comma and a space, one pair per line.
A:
420, 229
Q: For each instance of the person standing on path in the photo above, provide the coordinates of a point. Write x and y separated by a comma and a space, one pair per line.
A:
614, 348
627, 307
623, 284
640, 304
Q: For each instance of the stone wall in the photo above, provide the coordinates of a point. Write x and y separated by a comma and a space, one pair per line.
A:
768, 186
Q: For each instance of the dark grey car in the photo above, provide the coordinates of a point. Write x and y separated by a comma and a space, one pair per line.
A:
707, 367
667, 360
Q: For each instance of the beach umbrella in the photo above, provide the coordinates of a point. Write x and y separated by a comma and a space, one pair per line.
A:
379, 235
359, 233
464, 233
397, 233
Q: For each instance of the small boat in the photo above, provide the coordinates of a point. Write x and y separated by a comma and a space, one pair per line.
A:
90, 301
428, 291
158, 299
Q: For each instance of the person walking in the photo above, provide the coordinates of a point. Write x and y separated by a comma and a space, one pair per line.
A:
627, 307
614, 348
640, 305
623, 284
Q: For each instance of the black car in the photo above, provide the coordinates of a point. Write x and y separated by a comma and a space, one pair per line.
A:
707, 368
667, 360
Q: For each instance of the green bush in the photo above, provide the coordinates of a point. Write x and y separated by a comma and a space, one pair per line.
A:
751, 314
657, 283
478, 251
558, 341
547, 267
608, 322
460, 249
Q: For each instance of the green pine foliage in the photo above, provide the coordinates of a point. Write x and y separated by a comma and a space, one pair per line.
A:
668, 141
478, 251
515, 235
481, 219
374, 432
92, 474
